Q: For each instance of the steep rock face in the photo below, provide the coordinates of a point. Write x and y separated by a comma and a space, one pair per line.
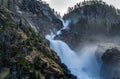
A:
23, 55
36, 13
90, 19
110, 68
93, 17
103, 47
109, 57
41, 16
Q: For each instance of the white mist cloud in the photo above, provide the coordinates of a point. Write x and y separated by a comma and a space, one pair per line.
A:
62, 5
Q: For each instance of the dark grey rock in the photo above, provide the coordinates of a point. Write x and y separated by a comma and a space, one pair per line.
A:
109, 57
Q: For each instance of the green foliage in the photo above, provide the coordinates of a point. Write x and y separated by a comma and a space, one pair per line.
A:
31, 48
4, 3
36, 75
28, 68
28, 43
14, 45
84, 3
40, 64
2, 28
31, 34
115, 29
20, 23
47, 52
22, 60
37, 62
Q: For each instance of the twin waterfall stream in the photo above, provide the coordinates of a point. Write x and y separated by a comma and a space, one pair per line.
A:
82, 64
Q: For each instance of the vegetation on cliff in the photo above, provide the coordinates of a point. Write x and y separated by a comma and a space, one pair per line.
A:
23, 54
89, 19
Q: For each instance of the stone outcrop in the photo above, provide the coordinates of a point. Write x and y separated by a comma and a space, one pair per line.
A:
109, 57
110, 68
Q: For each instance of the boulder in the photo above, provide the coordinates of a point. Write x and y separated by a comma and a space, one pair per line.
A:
102, 48
109, 56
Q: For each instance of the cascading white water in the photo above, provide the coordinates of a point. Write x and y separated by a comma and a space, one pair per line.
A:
65, 24
83, 64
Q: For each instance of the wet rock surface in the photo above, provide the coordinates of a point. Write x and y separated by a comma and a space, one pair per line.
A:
110, 66
109, 56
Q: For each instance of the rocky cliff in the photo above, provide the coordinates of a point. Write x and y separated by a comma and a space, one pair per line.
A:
90, 20
36, 13
108, 55
23, 54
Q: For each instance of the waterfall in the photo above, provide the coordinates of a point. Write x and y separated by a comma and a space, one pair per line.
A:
83, 64
65, 24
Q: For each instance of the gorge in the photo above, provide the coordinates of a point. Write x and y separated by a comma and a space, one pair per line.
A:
36, 43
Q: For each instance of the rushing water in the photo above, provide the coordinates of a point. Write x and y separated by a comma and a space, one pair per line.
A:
83, 64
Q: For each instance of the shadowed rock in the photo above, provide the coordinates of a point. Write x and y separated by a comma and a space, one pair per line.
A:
109, 56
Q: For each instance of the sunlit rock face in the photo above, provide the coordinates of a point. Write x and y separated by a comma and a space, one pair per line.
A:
109, 57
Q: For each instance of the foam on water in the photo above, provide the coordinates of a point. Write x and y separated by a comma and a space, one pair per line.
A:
83, 64
65, 26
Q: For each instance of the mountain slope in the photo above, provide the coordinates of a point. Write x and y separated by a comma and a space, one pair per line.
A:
23, 54
90, 20
36, 13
